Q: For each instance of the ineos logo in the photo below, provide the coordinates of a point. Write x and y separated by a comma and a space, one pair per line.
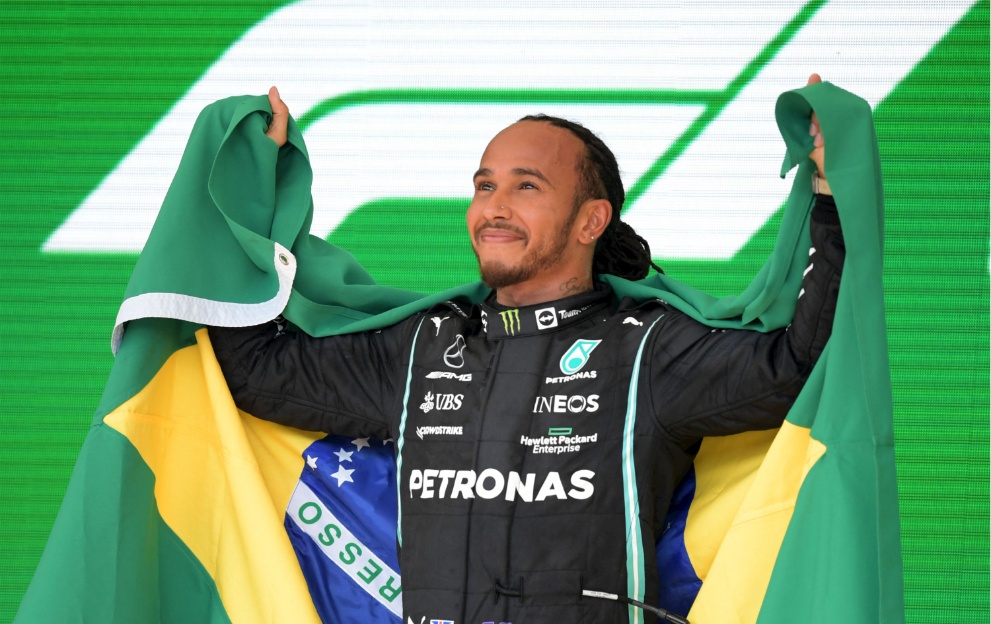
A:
562, 404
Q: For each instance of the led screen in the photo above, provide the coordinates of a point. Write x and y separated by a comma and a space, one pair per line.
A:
397, 100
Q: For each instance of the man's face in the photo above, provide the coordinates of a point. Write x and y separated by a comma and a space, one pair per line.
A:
522, 214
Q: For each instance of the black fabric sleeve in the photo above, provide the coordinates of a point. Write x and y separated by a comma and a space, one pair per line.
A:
347, 384
717, 382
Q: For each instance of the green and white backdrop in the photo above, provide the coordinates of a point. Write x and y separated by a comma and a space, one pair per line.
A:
397, 101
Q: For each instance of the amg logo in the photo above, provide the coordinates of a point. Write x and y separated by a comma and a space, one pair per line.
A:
447, 375
490, 484
439, 430
562, 404
578, 375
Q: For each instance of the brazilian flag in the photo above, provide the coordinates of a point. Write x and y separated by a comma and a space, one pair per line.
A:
181, 508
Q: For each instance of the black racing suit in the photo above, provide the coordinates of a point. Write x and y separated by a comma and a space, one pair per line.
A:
537, 447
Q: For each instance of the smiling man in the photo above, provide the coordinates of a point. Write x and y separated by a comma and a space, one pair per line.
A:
540, 434
520, 234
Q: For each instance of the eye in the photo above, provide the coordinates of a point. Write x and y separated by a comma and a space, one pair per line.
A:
527, 185
484, 186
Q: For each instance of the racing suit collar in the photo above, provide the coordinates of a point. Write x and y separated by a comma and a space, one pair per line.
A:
503, 322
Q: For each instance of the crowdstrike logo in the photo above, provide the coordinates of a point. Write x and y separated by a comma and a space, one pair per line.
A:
510, 321
546, 318
443, 430
577, 356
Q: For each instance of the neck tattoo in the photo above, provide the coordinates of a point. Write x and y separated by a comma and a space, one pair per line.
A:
574, 287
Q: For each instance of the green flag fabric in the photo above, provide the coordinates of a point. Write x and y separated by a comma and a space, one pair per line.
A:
231, 247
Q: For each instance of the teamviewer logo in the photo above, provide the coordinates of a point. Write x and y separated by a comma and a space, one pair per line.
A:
546, 318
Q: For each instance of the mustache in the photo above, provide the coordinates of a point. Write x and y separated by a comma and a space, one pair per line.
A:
498, 225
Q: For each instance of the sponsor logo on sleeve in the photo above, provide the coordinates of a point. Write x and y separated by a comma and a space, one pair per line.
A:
510, 321
546, 318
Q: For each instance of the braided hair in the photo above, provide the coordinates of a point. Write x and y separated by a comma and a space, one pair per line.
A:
620, 251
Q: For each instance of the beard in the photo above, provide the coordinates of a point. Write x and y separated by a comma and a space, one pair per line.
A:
496, 274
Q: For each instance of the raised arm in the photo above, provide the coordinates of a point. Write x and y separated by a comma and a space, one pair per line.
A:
716, 382
341, 384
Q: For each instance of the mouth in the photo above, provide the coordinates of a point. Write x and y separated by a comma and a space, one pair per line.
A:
499, 235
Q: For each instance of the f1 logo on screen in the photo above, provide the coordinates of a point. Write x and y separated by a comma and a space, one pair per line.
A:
403, 105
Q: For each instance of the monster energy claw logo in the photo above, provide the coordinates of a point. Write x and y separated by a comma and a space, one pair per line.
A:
575, 358
510, 321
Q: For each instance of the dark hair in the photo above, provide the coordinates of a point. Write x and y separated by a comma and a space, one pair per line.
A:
620, 251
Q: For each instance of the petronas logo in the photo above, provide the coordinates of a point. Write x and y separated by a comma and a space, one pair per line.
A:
576, 357
510, 321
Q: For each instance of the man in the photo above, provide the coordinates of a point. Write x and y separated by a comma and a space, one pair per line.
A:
539, 435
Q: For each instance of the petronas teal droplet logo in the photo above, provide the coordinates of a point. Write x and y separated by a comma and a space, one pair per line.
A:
576, 357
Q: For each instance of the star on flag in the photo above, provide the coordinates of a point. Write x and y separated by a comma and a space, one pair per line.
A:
343, 474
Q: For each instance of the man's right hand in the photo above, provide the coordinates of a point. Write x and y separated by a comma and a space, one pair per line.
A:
280, 118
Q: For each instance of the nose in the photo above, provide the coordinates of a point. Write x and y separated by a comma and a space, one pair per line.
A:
495, 208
